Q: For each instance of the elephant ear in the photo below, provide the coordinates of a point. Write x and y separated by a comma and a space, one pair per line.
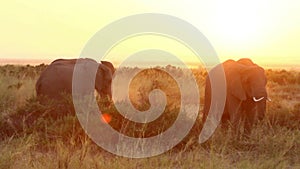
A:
109, 65
234, 81
104, 70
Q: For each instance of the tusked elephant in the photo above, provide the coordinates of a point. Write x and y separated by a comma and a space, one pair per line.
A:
246, 93
56, 79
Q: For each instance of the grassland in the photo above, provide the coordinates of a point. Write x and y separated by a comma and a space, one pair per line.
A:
36, 136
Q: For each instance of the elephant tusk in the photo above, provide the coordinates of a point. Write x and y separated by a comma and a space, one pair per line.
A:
269, 99
257, 100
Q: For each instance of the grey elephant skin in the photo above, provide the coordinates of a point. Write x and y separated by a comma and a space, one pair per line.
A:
56, 79
246, 93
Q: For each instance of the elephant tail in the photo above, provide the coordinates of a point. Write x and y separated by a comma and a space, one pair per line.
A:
38, 87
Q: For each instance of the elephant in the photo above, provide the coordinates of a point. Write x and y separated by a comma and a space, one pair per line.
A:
57, 78
246, 93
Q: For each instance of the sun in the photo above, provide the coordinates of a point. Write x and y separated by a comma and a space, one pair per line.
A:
237, 22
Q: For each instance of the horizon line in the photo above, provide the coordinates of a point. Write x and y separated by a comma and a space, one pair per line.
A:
33, 62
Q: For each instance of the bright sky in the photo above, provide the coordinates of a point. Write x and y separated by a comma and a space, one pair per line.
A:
268, 31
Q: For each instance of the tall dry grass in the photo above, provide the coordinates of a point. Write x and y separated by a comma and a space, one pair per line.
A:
34, 136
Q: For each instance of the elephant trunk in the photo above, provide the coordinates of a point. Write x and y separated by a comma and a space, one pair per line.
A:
259, 98
261, 109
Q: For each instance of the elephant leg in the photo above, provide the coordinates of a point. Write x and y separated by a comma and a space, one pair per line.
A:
207, 101
225, 116
234, 111
225, 119
250, 115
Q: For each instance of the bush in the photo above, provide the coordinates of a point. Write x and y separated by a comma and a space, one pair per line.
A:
283, 77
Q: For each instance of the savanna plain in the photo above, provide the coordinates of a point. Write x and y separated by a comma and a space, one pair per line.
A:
38, 136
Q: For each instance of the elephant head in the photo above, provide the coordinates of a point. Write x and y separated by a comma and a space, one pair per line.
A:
104, 80
109, 65
246, 85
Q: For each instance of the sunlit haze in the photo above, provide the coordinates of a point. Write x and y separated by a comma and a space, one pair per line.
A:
266, 31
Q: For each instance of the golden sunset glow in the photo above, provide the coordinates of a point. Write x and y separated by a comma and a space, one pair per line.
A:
267, 31
136, 44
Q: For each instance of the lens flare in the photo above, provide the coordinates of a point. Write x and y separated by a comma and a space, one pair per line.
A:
106, 118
